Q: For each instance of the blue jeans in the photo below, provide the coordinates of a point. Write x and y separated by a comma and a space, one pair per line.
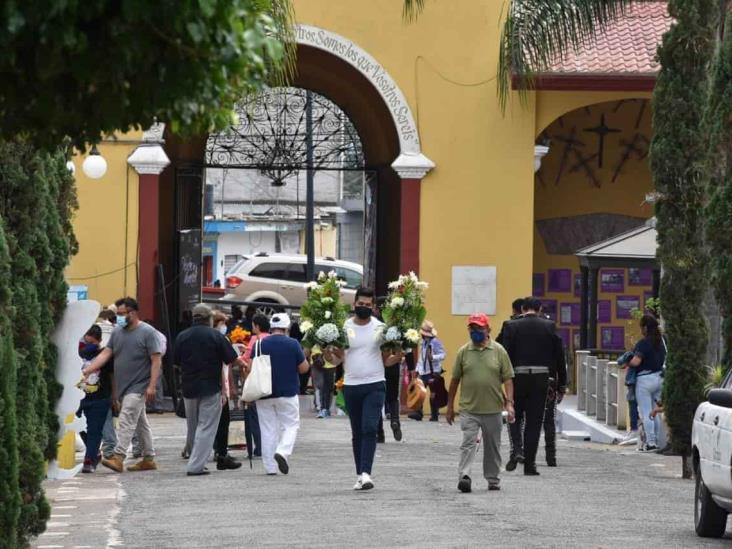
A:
647, 392
96, 414
363, 405
109, 436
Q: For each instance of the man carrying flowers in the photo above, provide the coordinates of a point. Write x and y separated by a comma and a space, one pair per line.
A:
364, 383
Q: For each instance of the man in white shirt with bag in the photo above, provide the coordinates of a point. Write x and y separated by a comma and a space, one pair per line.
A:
279, 413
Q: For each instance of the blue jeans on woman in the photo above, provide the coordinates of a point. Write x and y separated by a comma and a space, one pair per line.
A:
647, 392
96, 414
363, 405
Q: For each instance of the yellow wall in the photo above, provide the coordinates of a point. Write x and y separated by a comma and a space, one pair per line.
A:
106, 225
574, 194
474, 203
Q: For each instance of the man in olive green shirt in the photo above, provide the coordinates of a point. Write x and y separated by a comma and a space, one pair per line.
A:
484, 370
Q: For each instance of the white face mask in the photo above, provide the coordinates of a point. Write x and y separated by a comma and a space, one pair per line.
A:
222, 329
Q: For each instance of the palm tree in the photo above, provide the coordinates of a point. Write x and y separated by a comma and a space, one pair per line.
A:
537, 32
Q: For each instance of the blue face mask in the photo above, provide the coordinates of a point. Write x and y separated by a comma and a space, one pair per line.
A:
477, 337
122, 321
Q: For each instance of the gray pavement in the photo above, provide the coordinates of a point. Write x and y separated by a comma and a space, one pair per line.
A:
599, 496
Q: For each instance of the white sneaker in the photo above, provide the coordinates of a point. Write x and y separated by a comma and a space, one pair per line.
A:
358, 485
366, 482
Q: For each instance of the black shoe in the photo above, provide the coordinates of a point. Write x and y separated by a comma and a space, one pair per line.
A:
511, 464
551, 462
493, 487
530, 470
227, 462
380, 438
199, 473
397, 430
520, 458
433, 419
416, 416
282, 464
464, 484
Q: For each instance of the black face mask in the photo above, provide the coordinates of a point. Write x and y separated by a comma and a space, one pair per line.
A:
362, 312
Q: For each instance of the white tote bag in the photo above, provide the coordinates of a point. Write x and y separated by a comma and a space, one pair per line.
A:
259, 381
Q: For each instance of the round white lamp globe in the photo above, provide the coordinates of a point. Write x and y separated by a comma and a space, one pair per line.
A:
94, 165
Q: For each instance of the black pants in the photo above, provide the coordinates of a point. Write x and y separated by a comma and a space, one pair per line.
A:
251, 429
391, 401
550, 426
221, 442
327, 383
530, 400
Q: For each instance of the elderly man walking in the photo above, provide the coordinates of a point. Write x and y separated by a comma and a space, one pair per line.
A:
136, 350
200, 353
483, 371
279, 414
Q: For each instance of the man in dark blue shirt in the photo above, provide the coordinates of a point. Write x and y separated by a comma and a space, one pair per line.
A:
279, 414
200, 353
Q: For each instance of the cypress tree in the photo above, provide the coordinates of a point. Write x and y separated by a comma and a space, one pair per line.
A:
21, 194
677, 154
719, 189
9, 494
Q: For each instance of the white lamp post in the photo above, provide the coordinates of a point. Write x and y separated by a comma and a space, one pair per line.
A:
94, 166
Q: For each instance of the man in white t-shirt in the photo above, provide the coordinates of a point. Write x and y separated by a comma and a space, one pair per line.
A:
364, 387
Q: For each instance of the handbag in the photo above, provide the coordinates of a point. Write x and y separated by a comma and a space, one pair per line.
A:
259, 381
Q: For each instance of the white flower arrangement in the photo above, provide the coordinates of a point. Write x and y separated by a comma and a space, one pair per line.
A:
328, 333
393, 334
397, 302
306, 326
326, 300
327, 315
311, 285
412, 336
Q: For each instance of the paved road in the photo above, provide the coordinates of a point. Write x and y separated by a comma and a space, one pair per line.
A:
600, 496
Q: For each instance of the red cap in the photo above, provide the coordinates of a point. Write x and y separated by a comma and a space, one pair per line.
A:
479, 319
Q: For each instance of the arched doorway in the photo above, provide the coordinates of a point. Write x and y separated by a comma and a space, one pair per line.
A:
338, 70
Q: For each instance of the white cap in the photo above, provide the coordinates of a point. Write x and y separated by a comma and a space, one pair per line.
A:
280, 321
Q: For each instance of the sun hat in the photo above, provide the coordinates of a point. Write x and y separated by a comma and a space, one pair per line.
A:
428, 329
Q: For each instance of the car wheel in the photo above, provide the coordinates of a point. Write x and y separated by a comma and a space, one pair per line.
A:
269, 310
710, 520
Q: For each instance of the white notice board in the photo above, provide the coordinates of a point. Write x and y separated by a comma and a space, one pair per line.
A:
473, 290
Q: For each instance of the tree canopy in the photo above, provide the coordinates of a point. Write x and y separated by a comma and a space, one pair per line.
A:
82, 69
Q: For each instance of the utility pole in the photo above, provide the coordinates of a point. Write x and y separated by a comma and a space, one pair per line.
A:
310, 189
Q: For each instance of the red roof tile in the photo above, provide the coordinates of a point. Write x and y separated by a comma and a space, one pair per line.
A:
627, 48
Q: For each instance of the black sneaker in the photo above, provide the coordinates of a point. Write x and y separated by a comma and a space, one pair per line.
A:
416, 416
282, 463
397, 430
199, 473
551, 462
492, 487
464, 484
380, 438
227, 462
511, 464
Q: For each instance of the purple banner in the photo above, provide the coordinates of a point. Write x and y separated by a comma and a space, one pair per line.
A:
612, 280
625, 305
604, 311
569, 314
538, 285
612, 338
640, 277
560, 280
564, 333
549, 308
578, 285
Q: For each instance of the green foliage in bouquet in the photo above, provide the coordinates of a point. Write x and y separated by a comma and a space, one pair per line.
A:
403, 313
323, 314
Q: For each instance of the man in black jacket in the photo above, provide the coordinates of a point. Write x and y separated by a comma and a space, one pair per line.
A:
536, 354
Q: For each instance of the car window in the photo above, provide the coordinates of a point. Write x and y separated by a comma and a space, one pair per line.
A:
297, 273
235, 268
277, 271
353, 279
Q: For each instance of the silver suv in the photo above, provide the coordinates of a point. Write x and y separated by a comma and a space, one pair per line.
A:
280, 279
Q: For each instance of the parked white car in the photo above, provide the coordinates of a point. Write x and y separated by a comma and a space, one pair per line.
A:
280, 279
711, 440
